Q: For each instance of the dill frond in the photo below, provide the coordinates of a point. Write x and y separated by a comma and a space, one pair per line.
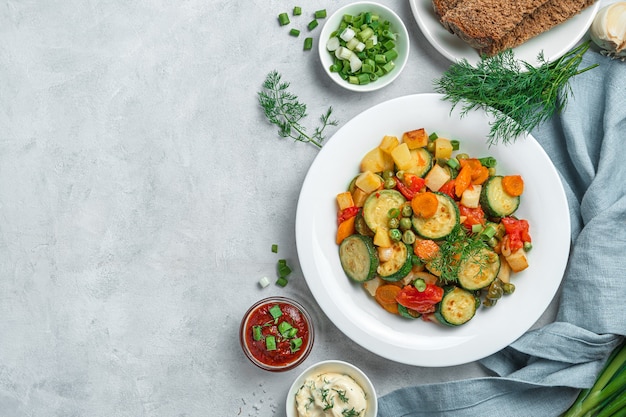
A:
283, 109
519, 95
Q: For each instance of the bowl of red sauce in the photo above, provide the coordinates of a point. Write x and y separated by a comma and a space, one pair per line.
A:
276, 334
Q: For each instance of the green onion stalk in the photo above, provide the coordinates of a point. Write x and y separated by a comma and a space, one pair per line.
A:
607, 396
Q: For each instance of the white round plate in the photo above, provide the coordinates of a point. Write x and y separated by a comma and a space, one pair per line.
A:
416, 342
554, 43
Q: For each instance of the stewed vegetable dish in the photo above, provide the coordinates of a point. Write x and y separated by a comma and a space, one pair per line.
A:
431, 232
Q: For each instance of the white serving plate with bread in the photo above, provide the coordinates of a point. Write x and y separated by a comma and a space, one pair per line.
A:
554, 43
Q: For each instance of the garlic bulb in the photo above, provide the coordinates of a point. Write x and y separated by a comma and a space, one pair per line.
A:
608, 29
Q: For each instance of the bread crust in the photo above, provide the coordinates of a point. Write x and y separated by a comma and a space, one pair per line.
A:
491, 26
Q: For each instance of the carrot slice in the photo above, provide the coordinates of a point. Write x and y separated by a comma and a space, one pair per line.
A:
386, 296
474, 163
425, 249
480, 175
513, 185
345, 229
463, 180
425, 204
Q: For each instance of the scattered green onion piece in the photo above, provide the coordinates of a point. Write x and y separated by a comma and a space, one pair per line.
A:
433, 136
275, 311
294, 32
256, 333
274, 248
308, 44
297, 11
455, 144
283, 19
283, 269
282, 282
312, 24
295, 344
264, 282
419, 284
320, 14
270, 342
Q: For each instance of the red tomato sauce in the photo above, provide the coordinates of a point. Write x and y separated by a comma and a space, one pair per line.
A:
283, 354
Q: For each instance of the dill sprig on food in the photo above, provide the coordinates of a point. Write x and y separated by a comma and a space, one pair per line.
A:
283, 109
457, 247
519, 95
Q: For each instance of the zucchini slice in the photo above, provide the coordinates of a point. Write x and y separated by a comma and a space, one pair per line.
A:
442, 223
360, 226
358, 257
399, 264
377, 206
457, 306
495, 201
422, 162
479, 270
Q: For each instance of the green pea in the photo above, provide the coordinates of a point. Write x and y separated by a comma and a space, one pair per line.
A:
408, 237
394, 223
395, 235
390, 183
405, 223
407, 210
388, 173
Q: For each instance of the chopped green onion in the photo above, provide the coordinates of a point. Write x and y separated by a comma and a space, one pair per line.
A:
297, 11
455, 144
419, 284
433, 136
453, 163
393, 213
308, 44
275, 311
283, 269
274, 248
488, 161
256, 332
270, 342
283, 19
320, 14
312, 24
285, 329
489, 231
295, 344
264, 282
294, 32
282, 282
477, 228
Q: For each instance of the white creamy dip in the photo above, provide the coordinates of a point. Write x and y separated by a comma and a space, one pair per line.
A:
330, 395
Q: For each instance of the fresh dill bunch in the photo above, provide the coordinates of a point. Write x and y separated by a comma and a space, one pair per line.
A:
283, 109
519, 95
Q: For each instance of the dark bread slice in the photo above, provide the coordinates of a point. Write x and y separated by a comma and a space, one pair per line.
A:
481, 23
544, 18
441, 7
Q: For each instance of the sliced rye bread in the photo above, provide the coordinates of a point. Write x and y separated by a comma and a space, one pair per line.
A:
441, 7
481, 23
544, 18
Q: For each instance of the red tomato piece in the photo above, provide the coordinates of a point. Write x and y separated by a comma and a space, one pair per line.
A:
472, 215
410, 185
517, 230
422, 302
448, 188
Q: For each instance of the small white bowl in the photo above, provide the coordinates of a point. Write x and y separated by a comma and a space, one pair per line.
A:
385, 13
340, 367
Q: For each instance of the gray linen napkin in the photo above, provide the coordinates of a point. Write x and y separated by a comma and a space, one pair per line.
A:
541, 373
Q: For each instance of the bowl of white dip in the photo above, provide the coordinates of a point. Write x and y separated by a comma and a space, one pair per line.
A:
332, 388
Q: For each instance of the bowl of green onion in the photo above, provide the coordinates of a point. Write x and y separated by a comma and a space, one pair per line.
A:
364, 46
